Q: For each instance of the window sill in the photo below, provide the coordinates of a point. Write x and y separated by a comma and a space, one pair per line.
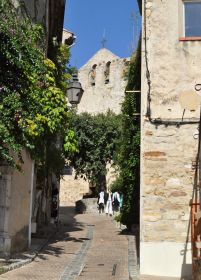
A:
190, 39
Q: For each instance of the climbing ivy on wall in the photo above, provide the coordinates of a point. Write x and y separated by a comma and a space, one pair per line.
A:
128, 181
33, 107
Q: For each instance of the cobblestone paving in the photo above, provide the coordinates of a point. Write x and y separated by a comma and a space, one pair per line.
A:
108, 256
105, 256
75, 267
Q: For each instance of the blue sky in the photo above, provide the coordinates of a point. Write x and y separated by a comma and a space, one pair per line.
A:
90, 19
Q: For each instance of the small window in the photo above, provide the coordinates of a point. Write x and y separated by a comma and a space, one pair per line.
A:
92, 75
107, 72
192, 18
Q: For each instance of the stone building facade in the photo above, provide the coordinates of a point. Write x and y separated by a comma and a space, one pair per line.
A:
103, 79
68, 37
16, 206
169, 126
18, 189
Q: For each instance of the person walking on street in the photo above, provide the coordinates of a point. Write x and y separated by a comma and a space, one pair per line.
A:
121, 201
115, 202
102, 200
108, 208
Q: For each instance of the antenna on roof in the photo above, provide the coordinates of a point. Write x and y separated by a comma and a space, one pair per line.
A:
104, 40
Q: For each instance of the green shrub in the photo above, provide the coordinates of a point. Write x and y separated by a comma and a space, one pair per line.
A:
128, 160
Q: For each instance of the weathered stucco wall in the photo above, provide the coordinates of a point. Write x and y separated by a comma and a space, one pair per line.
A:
167, 152
20, 203
15, 206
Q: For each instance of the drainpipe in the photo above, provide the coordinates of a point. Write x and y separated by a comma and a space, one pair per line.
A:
47, 25
31, 202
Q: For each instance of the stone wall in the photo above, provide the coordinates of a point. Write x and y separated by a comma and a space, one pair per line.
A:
72, 190
167, 151
87, 205
101, 96
168, 175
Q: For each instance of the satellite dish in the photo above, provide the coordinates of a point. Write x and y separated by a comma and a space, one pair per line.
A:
190, 100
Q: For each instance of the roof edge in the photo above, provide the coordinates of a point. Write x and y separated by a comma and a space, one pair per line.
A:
140, 5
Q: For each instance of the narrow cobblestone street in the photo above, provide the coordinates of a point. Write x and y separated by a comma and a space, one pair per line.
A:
87, 246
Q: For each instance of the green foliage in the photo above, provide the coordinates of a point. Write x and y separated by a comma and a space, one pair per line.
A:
32, 89
97, 139
129, 147
118, 217
117, 185
2, 270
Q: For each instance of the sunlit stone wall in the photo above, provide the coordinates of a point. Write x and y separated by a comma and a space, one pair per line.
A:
167, 151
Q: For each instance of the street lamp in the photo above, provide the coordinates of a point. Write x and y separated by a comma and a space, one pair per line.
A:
74, 91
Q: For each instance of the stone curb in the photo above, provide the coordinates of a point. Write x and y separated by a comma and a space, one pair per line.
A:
133, 266
31, 256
